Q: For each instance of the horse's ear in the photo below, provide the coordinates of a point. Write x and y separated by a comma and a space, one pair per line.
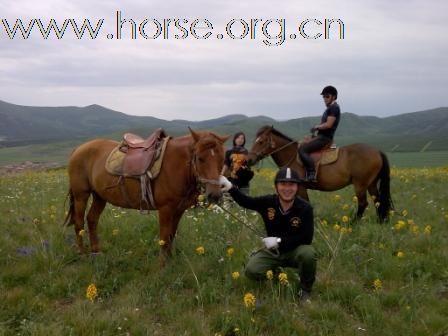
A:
195, 135
223, 139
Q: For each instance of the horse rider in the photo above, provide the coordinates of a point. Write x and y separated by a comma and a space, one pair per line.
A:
325, 132
289, 226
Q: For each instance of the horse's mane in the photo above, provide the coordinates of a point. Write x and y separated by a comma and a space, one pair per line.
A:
273, 131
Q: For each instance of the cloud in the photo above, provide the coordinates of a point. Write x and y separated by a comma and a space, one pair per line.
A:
392, 60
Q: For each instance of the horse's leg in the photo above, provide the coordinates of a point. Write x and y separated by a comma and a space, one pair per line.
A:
168, 222
93, 217
361, 194
80, 200
373, 191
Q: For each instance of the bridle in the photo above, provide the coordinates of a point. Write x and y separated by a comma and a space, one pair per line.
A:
198, 177
264, 151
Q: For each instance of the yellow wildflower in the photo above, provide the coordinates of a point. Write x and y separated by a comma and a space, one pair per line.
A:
336, 227
91, 292
230, 251
399, 225
400, 254
344, 230
404, 212
200, 250
377, 284
81, 233
269, 275
337, 197
415, 229
377, 205
201, 198
235, 275
355, 199
427, 230
283, 278
249, 300
115, 232
162, 242
345, 207
345, 219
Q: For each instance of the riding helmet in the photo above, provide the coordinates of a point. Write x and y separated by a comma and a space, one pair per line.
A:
329, 90
287, 174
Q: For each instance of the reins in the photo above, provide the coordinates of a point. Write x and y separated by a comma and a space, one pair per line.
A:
262, 156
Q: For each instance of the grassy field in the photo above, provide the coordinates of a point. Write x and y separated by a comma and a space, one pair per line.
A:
60, 151
373, 279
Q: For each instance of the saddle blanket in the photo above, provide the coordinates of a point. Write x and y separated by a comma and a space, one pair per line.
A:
114, 162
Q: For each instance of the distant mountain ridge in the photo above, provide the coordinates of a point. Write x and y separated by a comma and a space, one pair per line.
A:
21, 125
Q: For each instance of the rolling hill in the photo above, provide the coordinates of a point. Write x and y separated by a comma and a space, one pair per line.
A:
46, 130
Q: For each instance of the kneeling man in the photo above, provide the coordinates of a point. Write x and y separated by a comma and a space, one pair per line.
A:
289, 225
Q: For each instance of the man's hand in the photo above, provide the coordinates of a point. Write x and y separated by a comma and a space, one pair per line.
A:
225, 184
271, 242
314, 129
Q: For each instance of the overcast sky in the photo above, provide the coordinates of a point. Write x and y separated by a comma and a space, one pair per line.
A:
392, 60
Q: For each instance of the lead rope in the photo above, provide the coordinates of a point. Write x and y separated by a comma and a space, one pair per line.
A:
274, 252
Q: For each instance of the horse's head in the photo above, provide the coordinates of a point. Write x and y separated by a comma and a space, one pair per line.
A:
208, 160
262, 146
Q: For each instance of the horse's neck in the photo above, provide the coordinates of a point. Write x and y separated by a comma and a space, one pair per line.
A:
182, 147
286, 155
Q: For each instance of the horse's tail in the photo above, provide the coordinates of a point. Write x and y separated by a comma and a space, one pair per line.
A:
69, 218
385, 198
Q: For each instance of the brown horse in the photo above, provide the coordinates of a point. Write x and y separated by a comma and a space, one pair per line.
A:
362, 165
188, 161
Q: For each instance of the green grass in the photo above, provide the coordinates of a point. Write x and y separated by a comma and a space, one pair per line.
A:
418, 159
43, 281
60, 151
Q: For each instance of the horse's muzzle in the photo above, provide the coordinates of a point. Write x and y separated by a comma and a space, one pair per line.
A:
251, 162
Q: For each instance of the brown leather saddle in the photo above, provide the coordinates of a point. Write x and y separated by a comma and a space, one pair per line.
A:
324, 156
140, 153
134, 157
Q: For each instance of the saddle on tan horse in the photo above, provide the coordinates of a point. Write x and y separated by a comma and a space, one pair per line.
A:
324, 156
140, 153
139, 158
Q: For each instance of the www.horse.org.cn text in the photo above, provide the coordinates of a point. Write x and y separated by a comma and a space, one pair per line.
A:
272, 32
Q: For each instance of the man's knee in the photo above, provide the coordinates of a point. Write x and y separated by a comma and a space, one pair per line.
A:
306, 253
254, 272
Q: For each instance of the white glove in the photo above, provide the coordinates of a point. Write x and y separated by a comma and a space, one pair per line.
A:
271, 242
226, 185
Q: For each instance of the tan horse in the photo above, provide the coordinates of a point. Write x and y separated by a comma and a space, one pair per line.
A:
188, 161
362, 165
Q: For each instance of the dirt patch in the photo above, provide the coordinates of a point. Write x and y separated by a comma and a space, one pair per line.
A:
17, 168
